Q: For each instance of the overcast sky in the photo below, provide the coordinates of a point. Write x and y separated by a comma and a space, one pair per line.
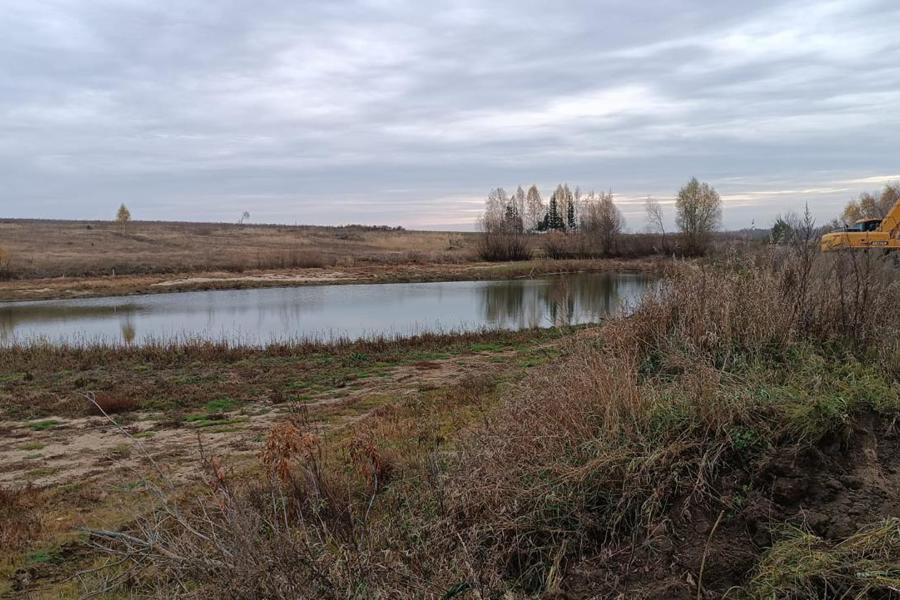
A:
409, 112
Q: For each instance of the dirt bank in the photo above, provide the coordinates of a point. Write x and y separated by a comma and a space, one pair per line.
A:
822, 495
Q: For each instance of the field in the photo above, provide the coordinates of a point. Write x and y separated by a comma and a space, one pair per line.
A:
734, 437
83, 248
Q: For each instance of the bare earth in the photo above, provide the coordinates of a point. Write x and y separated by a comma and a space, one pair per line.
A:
92, 448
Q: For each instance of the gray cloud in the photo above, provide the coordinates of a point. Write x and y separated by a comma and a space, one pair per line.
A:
395, 111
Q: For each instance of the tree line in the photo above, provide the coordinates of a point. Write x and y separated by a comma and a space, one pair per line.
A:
509, 219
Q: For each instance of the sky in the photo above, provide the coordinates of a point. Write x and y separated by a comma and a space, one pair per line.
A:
408, 112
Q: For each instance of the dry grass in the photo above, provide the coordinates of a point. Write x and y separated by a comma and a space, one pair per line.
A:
19, 520
589, 453
80, 248
598, 448
804, 566
5, 263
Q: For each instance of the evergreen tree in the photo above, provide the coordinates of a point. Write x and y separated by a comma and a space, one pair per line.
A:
555, 220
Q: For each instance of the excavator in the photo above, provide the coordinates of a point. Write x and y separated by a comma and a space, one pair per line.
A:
867, 234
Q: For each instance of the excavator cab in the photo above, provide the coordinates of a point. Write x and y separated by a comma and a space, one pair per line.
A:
864, 225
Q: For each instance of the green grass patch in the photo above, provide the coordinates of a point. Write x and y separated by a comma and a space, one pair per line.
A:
45, 556
43, 425
220, 405
12, 377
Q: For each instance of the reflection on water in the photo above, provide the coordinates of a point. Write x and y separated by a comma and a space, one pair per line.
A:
353, 311
557, 301
128, 331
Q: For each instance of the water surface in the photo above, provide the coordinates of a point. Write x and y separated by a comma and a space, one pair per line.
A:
259, 316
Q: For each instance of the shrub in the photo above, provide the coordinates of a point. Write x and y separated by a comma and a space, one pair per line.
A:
556, 245
110, 403
503, 247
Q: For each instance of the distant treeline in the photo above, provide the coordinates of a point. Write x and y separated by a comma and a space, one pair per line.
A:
590, 224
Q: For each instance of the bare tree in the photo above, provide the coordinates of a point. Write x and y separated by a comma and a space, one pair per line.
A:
699, 215
502, 228
534, 209
518, 201
244, 217
602, 221
655, 221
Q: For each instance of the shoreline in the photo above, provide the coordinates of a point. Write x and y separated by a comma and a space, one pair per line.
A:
68, 288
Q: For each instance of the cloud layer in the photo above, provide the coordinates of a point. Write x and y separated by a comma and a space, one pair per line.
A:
395, 111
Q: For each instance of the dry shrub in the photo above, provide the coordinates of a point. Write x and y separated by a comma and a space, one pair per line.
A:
501, 246
111, 403
634, 245
557, 246
371, 462
288, 447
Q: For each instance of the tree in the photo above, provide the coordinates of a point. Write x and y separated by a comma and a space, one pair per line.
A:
565, 207
782, 230
655, 220
502, 228
571, 223
699, 214
245, 216
554, 215
602, 221
872, 206
519, 201
535, 211
123, 215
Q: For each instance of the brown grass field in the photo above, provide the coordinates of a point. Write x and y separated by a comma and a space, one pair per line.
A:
88, 248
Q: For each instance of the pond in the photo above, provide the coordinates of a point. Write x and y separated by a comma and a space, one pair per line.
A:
325, 312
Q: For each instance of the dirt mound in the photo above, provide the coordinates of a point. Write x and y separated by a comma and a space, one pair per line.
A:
831, 490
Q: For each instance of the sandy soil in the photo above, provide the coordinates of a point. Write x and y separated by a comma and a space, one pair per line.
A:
96, 448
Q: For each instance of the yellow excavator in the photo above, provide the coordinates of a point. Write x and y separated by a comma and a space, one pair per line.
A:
866, 234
